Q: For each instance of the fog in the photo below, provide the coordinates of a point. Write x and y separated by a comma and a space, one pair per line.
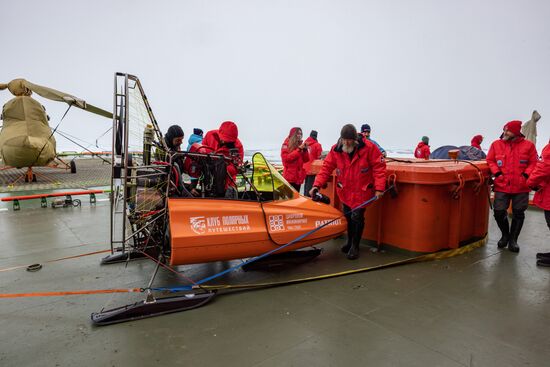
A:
446, 69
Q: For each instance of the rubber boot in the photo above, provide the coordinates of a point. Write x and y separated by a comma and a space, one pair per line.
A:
544, 262
543, 255
353, 252
502, 221
347, 246
515, 229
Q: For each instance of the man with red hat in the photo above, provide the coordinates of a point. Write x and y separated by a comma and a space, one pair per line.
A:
226, 141
360, 174
511, 159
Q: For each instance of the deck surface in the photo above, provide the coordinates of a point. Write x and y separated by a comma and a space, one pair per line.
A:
90, 172
485, 308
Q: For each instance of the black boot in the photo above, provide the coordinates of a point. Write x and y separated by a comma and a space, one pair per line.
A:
543, 255
502, 221
544, 262
515, 229
353, 252
347, 246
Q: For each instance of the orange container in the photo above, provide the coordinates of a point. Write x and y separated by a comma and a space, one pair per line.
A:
439, 204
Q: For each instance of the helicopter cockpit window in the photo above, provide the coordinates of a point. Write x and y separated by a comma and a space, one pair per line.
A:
268, 181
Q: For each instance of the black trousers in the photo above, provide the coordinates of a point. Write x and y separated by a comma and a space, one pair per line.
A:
356, 222
547, 217
520, 203
296, 186
308, 185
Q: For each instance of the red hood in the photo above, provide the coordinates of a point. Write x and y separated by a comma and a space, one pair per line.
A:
228, 132
310, 141
476, 141
421, 144
292, 131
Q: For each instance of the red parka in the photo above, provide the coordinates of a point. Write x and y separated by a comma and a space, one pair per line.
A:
315, 150
293, 161
540, 177
476, 141
514, 159
228, 132
357, 177
422, 151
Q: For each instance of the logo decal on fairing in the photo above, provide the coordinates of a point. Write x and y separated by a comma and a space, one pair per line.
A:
198, 224
276, 223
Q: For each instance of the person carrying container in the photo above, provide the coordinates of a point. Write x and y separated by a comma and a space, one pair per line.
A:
315, 150
196, 137
365, 131
294, 153
539, 180
422, 150
476, 141
225, 141
360, 172
511, 159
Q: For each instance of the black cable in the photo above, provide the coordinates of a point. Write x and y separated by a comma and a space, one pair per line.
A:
53, 131
86, 149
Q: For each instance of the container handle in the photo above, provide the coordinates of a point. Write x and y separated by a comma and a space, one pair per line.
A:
392, 183
456, 192
477, 186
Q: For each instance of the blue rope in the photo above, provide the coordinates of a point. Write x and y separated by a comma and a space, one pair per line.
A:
259, 257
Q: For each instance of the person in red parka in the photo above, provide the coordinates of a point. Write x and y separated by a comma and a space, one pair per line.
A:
226, 141
315, 150
511, 159
422, 150
476, 141
360, 175
539, 180
294, 154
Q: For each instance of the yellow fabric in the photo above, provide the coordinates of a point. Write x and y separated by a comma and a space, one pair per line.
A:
25, 136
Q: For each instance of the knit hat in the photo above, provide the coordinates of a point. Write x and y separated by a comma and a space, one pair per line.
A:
313, 134
365, 128
348, 132
425, 140
197, 131
514, 127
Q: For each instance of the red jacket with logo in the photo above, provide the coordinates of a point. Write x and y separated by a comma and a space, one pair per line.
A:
513, 159
212, 140
422, 151
293, 162
540, 177
315, 149
357, 177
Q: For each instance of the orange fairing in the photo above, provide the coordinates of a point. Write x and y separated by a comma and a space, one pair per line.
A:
204, 230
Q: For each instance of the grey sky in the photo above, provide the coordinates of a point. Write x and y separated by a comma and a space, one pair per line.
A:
447, 69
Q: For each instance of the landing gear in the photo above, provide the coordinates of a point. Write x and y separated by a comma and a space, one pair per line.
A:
283, 260
29, 175
152, 306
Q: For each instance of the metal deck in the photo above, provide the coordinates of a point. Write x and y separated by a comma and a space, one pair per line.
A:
485, 308
90, 172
